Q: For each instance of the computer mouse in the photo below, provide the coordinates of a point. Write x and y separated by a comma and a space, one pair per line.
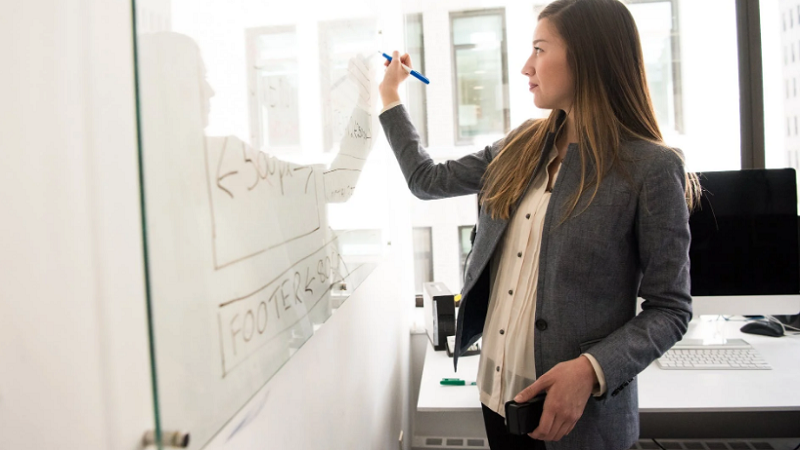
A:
763, 327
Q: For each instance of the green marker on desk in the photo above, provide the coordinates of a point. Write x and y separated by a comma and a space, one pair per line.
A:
456, 382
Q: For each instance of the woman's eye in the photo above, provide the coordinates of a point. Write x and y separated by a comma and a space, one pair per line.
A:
537, 50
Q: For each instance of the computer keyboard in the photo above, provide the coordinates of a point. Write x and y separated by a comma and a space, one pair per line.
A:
735, 354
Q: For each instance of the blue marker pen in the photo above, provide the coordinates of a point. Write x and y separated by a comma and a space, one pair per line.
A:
411, 71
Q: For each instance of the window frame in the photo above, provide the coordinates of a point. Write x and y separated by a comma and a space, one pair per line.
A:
415, 252
454, 15
751, 84
422, 122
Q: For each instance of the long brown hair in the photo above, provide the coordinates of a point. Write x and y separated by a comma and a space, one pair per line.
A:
612, 104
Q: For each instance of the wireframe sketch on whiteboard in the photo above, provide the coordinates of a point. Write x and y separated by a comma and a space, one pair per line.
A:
242, 262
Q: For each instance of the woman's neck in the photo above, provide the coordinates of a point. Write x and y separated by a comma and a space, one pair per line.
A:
566, 136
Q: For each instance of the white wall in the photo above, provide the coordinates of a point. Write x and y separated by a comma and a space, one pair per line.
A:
74, 365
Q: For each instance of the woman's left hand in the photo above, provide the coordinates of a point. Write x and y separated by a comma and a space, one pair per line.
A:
568, 385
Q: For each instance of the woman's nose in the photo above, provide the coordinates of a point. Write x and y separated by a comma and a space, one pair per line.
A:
528, 69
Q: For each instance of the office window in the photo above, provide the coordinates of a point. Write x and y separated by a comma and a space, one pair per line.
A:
464, 247
657, 22
423, 257
417, 92
273, 88
687, 75
338, 42
480, 78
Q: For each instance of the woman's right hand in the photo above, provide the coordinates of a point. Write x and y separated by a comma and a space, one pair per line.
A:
395, 74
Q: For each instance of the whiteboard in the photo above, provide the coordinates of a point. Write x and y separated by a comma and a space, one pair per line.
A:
243, 262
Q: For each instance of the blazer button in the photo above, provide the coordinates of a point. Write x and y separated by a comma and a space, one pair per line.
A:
541, 324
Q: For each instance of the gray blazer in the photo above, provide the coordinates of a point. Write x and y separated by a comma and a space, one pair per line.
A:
632, 240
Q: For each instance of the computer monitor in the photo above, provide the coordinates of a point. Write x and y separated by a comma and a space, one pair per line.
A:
744, 251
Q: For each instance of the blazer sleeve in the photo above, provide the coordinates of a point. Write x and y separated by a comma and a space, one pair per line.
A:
662, 231
426, 179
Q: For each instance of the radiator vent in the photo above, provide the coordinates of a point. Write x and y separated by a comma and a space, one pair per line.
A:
461, 443
703, 444
450, 443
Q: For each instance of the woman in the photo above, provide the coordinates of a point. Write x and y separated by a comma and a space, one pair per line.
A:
581, 212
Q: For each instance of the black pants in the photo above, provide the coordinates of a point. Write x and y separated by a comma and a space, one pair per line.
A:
501, 439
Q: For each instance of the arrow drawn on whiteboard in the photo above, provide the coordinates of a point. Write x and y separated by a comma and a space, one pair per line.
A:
219, 166
307, 180
308, 283
310, 173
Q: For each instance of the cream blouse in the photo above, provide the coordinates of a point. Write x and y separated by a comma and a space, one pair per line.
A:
507, 365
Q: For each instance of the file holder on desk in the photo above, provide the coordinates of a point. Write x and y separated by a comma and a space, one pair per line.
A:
438, 304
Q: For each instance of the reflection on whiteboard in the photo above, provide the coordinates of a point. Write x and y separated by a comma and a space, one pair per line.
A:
338, 41
273, 86
281, 109
243, 181
243, 266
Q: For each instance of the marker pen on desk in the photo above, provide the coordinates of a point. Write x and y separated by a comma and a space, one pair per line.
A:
411, 71
456, 382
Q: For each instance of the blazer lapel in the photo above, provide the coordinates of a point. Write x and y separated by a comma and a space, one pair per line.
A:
491, 230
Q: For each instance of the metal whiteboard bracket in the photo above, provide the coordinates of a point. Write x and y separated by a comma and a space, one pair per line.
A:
169, 439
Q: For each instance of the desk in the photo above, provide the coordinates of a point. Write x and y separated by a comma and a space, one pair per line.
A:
725, 403
672, 404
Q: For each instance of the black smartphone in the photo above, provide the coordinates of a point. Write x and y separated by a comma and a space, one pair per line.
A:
522, 418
